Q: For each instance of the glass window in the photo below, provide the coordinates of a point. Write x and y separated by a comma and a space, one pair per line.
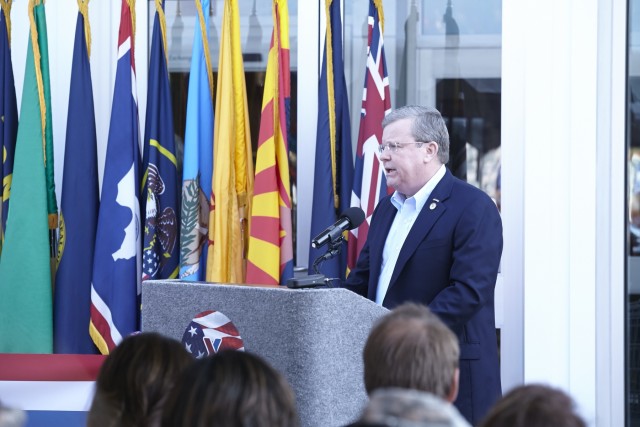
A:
633, 208
445, 54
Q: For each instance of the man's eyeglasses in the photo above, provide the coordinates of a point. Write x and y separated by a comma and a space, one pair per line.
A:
396, 146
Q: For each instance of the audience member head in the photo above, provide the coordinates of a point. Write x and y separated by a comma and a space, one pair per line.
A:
534, 406
409, 408
427, 125
135, 379
11, 417
234, 389
411, 348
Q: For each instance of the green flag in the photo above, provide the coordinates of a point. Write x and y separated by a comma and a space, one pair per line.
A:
41, 29
26, 324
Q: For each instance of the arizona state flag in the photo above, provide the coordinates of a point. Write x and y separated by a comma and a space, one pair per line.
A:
116, 267
160, 181
334, 161
369, 183
8, 115
233, 161
270, 259
79, 208
197, 167
25, 270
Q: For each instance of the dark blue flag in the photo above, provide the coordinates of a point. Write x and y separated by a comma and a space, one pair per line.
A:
8, 122
115, 305
160, 253
334, 160
79, 211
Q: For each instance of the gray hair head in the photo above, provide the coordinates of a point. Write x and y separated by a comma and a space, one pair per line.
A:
427, 125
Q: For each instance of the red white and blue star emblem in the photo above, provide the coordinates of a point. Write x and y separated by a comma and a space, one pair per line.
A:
210, 332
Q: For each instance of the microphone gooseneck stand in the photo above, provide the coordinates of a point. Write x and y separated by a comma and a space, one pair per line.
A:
318, 279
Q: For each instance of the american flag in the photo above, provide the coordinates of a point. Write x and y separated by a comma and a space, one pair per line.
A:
369, 183
210, 332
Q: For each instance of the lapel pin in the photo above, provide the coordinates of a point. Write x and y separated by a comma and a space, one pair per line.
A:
432, 206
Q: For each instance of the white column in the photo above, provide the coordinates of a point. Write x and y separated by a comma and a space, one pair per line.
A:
105, 18
561, 210
19, 42
610, 214
512, 194
309, 54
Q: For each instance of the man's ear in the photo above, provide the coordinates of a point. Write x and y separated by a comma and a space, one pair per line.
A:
453, 392
432, 149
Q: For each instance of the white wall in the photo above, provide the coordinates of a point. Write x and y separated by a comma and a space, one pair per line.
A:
610, 214
563, 195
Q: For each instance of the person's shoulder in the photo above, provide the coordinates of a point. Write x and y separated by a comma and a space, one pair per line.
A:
472, 197
469, 190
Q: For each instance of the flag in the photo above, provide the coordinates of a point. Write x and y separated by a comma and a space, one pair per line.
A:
369, 183
116, 268
53, 389
52, 203
270, 259
198, 155
233, 162
79, 208
160, 257
334, 160
25, 269
8, 116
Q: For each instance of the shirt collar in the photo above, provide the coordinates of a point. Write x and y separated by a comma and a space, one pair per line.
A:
423, 194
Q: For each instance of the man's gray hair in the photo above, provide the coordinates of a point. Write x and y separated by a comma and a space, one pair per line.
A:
428, 125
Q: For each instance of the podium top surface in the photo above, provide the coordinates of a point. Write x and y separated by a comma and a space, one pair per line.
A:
176, 302
150, 286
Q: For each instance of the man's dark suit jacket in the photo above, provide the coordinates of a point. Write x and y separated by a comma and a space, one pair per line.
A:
448, 262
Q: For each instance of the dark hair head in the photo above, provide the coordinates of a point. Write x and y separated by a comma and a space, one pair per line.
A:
428, 125
234, 389
411, 348
135, 379
534, 406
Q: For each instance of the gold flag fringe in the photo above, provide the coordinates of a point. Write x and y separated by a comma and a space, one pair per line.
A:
163, 29
6, 8
331, 101
132, 9
83, 5
205, 45
38, 70
378, 4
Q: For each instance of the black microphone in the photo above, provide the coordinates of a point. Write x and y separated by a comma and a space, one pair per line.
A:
348, 220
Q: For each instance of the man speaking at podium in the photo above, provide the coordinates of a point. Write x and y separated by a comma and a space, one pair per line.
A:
436, 241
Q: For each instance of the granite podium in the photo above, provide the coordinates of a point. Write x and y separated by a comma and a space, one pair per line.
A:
313, 336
